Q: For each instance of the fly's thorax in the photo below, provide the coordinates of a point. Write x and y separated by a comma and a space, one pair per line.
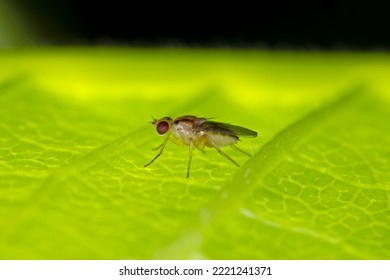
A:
221, 139
184, 129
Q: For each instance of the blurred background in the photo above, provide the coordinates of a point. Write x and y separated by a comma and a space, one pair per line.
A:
345, 24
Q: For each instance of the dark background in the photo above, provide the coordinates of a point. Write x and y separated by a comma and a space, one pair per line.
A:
269, 24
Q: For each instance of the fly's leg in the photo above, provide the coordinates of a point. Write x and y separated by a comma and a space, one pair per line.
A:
242, 151
162, 146
158, 147
190, 159
220, 151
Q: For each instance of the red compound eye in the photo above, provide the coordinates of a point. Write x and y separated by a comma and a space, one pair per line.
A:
162, 128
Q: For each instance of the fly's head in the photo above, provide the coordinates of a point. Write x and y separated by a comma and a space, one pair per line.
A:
162, 125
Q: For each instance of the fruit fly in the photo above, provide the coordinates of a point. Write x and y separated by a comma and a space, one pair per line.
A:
199, 133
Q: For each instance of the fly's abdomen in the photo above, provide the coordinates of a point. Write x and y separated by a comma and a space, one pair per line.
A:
221, 139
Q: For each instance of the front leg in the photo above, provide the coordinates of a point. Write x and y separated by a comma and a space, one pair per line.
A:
161, 151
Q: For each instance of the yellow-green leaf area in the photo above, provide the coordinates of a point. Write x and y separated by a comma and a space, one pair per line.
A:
74, 139
319, 188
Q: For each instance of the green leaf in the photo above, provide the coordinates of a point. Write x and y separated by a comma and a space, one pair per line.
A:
74, 137
319, 189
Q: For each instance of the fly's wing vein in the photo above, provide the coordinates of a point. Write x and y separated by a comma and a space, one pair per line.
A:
226, 128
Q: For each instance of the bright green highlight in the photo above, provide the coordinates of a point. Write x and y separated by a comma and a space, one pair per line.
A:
74, 138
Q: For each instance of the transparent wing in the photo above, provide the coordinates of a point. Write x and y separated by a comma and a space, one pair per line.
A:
234, 130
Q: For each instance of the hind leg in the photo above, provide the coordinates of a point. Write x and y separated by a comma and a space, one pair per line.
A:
220, 151
242, 151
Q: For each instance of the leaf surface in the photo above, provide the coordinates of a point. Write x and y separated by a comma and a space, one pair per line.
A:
74, 137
